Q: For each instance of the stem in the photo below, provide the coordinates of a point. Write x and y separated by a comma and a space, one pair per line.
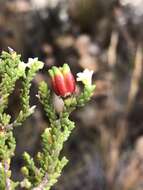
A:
6, 169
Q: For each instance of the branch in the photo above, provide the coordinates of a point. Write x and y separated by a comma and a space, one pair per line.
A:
135, 78
8, 181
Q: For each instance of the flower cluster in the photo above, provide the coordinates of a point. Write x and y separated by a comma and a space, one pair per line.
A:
63, 81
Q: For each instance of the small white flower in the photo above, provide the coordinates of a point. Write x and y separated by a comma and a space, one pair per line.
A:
85, 77
31, 61
21, 67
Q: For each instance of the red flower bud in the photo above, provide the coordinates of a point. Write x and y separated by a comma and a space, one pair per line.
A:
63, 81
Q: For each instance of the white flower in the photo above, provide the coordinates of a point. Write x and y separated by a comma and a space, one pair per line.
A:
31, 61
21, 67
85, 77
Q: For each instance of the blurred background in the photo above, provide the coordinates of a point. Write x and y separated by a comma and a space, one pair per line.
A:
105, 151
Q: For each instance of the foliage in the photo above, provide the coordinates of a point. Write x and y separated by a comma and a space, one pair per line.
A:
43, 171
11, 70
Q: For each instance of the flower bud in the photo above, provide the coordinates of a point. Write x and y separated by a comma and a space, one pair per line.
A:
62, 80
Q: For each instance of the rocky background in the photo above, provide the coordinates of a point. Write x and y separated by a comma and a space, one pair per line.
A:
105, 151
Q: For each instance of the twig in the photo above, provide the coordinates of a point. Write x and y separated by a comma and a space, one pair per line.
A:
8, 181
135, 79
112, 50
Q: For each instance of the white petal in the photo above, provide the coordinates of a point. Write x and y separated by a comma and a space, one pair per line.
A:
85, 77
